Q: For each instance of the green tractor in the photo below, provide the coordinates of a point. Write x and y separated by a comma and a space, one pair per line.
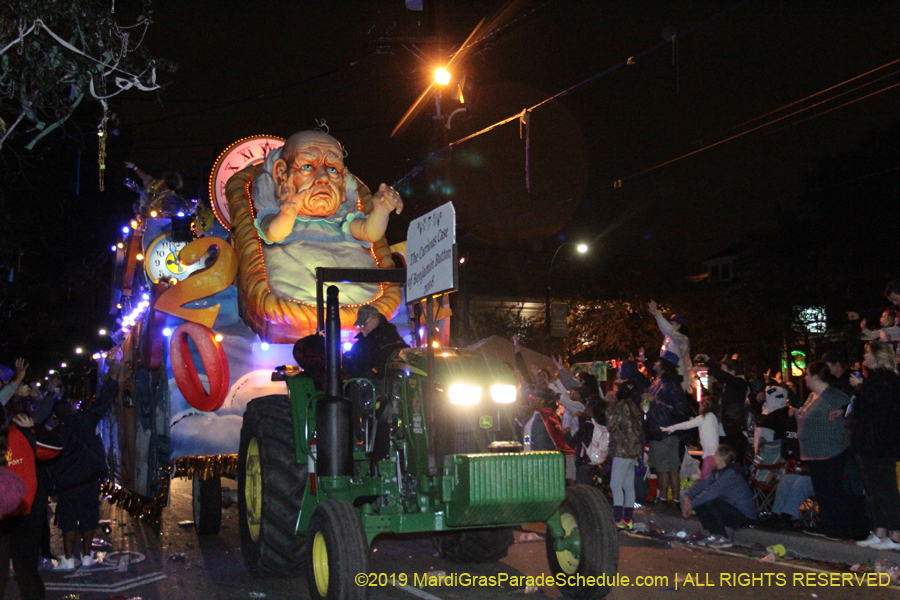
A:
323, 472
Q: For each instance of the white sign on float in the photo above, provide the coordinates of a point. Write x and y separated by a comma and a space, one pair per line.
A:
430, 240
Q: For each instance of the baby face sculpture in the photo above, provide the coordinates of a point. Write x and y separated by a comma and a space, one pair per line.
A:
310, 175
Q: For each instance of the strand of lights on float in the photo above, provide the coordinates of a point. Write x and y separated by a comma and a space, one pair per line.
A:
129, 320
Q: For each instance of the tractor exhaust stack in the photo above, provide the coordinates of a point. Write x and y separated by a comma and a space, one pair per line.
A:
334, 440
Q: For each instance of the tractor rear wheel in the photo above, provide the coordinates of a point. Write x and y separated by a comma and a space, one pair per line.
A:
337, 552
206, 502
270, 489
590, 546
474, 545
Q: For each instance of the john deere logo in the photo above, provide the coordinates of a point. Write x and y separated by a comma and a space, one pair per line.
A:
485, 421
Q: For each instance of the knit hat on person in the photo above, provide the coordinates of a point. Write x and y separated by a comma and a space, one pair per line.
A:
628, 369
365, 313
680, 319
669, 356
776, 399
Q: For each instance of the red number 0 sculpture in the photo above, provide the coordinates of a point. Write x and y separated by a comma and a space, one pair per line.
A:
214, 362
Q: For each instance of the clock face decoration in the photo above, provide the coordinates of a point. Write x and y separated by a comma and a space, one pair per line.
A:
243, 153
161, 260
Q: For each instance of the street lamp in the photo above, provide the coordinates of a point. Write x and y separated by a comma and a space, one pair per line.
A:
582, 248
441, 76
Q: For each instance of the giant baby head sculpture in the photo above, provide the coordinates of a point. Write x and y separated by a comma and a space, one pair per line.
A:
310, 175
309, 214
310, 181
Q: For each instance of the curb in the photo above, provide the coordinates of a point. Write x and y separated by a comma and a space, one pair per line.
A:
804, 546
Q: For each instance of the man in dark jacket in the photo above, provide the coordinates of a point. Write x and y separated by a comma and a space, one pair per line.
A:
78, 472
734, 402
376, 341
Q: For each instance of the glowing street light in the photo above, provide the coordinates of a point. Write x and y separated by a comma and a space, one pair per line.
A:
441, 76
102, 332
62, 365
582, 248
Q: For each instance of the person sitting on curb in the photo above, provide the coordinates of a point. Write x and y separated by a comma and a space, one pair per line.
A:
724, 499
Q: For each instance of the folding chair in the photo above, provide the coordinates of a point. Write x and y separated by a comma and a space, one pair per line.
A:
809, 513
765, 473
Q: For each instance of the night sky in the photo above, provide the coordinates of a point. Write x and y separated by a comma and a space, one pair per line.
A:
273, 68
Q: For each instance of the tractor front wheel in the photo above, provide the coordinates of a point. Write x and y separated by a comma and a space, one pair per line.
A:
270, 490
589, 547
337, 552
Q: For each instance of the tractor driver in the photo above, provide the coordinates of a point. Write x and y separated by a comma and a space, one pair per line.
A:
376, 341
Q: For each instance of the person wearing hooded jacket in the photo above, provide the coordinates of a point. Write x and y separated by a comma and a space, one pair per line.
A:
722, 500
376, 341
79, 470
733, 402
668, 405
874, 420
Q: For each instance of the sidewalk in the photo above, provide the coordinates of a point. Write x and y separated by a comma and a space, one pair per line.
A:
803, 545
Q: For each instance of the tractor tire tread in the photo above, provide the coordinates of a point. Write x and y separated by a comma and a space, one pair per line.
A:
347, 547
207, 505
277, 552
600, 549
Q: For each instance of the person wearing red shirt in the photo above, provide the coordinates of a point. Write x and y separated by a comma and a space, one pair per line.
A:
19, 540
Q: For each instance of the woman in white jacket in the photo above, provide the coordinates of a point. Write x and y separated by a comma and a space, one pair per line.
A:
710, 431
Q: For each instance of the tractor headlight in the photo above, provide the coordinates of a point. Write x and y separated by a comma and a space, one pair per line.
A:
465, 394
503, 394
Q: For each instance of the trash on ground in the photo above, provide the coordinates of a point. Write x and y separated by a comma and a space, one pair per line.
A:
531, 589
886, 565
100, 544
528, 536
640, 527
681, 534
185, 524
777, 550
768, 558
257, 594
123, 563
177, 558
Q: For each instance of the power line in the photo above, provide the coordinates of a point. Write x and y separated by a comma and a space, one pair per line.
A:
618, 183
627, 62
819, 93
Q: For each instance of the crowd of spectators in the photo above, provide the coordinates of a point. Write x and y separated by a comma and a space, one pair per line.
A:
48, 449
834, 435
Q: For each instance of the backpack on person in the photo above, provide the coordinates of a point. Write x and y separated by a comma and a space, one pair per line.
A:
598, 449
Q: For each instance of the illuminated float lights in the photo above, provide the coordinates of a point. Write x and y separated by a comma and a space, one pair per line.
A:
129, 320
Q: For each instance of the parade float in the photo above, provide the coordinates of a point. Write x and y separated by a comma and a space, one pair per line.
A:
208, 308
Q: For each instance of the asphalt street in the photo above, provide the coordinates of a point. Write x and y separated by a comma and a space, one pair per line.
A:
171, 562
